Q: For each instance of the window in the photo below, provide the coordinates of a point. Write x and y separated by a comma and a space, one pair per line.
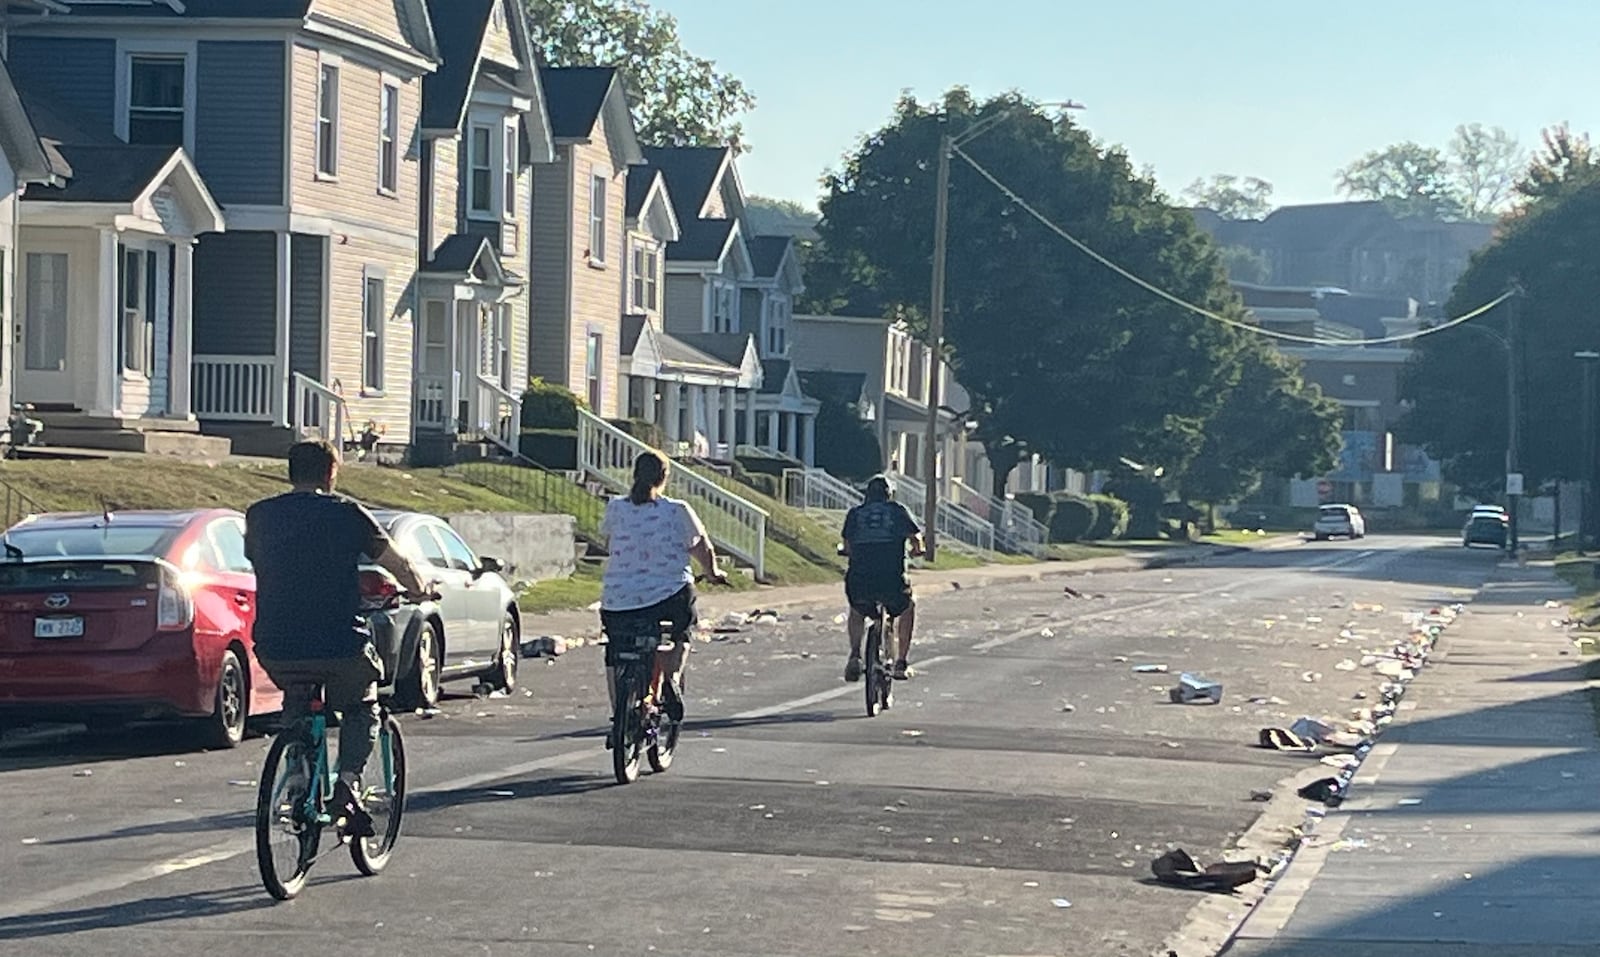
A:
480, 170
489, 346
138, 331
461, 557
372, 311
505, 345
389, 139
426, 547
646, 277
597, 220
328, 121
435, 340
227, 538
45, 325
155, 100
508, 190
591, 365
722, 309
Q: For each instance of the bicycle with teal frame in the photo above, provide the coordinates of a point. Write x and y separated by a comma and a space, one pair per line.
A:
297, 785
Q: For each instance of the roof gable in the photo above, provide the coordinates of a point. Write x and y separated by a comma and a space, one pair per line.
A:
579, 99
649, 207
459, 29
158, 183
19, 141
697, 175
472, 258
404, 22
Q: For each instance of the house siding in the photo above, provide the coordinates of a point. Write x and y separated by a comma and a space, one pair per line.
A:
80, 73
446, 196
842, 347
239, 152
378, 17
549, 326
235, 294
9, 297
684, 299
306, 297
497, 39
348, 262
354, 194
597, 291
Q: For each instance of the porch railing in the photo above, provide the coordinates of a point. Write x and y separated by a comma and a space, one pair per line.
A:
1015, 528
432, 402
497, 414
15, 506
235, 388
816, 490
606, 454
317, 411
955, 523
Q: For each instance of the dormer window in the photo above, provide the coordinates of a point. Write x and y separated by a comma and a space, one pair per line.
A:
493, 161
155, 100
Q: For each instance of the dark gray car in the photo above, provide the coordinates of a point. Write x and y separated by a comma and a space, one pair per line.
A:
473, 631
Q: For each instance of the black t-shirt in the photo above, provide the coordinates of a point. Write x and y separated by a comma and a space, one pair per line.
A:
306, 548
877, 533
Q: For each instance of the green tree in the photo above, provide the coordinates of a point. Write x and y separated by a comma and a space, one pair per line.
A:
1553, 248
780, 217
1060, 355
1245, 265
1485, 163
678, 99
1566, 160
1272, 423
1415, 180
849, 448
1233, 197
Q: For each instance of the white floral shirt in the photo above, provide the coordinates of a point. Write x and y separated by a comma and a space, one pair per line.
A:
649, 546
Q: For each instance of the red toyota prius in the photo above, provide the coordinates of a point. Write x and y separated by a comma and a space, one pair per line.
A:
106, 618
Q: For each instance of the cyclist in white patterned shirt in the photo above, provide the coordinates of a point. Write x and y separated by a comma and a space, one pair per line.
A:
652, 540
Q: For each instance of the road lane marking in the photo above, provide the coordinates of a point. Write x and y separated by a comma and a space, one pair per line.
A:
821, 696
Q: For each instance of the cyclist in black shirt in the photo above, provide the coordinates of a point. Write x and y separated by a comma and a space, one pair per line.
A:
875, 536
306, 547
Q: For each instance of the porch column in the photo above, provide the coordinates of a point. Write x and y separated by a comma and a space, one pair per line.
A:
730, 420
774, 437
790, 436
674, 423
180, 371
285, 391
810, 456
650, 387
750, 417
107, 317
713, 396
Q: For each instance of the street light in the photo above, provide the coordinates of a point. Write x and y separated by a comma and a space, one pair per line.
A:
941, 225
1585, 516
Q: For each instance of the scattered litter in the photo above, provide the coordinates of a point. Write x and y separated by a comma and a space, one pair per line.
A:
30, 841
1310, 728
1409, 802
1071, 592
85, 773
1062, 903
1360, 696
180, 764
1261, 796
1030, 883
1325, 790
1311, 677
840, 619
1278, 739
1552, 603
911, 733
547, 646
1046, 633
242, 784
1192, 688
1150, 669
1313, 620
1068, 707
1345, 665
1176, 867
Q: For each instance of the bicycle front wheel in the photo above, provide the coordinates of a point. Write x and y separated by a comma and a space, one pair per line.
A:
287, 831
872, 670
385, 802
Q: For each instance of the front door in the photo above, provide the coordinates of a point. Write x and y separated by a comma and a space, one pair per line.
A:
44, 376
434, 381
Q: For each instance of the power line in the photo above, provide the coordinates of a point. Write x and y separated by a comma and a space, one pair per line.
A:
1201, 310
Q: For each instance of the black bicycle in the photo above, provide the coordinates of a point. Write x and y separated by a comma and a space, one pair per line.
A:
875, 669
640, 726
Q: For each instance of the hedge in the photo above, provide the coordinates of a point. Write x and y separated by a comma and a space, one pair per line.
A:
1110, 518
1041, 504
548, 406
1072, 518
1145, 498
645, 431
555, 449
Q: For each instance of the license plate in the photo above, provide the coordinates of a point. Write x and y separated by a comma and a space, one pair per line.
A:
58, 627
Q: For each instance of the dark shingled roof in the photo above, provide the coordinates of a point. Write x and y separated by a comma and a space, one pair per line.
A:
458, 27
413, 22
632, 330
676, 350
457, 253
106, 174
691, 172
640, 179
830, 386
774, 372
700, 240
575, 96
726, 346
766, 254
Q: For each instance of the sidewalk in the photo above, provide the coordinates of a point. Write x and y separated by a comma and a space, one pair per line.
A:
1473, 828
715, 603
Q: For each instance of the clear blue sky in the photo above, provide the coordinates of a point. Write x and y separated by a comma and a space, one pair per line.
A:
1282, 89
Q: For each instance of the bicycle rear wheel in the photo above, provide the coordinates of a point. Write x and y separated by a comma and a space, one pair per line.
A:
287, 837
385, 803
627, 731
665, 741
872, 666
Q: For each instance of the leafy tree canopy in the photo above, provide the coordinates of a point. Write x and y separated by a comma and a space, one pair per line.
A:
1475, 178
1060, 355
1234, 197
678, 99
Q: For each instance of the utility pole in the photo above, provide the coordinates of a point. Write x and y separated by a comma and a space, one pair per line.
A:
1586, 472
1514, 413
930, 452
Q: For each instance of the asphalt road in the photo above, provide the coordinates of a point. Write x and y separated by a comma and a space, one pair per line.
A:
1026, 766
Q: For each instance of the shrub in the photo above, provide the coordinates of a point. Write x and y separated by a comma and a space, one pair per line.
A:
645, 431
1072, 518
846, 446
1039, 503
758, 462
1110, 518
552, 448
1145, 498
548, 406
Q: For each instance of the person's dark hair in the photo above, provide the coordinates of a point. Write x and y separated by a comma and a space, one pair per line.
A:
311, 462
649, 474
879, 489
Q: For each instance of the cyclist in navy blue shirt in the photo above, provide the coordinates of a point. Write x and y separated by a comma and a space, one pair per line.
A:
875, 536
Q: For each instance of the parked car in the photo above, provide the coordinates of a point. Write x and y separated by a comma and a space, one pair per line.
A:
473, 631
1486, 526
106, 618
1339, 520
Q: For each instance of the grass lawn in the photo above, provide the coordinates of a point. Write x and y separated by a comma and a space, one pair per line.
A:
134, 483
1579, 573
1234, 536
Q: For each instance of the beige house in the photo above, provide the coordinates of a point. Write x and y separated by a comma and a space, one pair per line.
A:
579, 242
484, 128
302, 121
23, 163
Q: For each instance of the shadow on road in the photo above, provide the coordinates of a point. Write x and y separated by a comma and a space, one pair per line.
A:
692, 726
231, 821
54, 746
153, 910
